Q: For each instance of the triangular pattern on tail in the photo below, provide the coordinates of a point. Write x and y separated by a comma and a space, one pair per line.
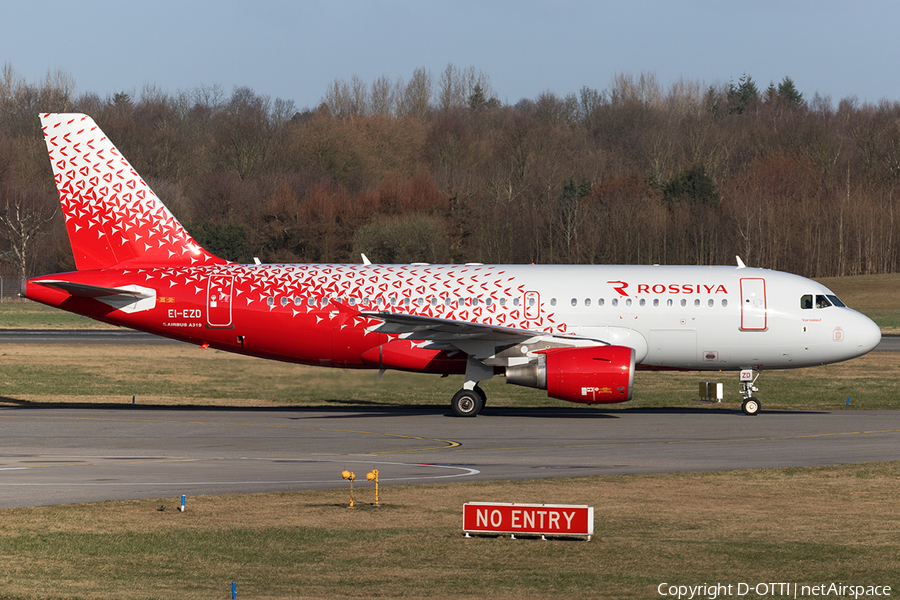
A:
112, 215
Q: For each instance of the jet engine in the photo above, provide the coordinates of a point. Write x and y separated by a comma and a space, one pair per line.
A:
593, 374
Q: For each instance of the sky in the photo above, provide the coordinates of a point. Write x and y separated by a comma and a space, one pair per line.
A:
294, 49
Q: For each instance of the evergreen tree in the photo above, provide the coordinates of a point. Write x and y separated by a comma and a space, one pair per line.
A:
741, 97
788, 93
692, 185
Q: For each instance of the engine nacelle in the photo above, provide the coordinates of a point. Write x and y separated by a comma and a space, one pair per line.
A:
595, 374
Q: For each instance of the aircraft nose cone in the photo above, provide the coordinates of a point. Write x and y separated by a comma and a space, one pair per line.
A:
868, 334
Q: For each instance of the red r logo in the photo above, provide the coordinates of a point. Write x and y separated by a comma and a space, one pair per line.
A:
620, 287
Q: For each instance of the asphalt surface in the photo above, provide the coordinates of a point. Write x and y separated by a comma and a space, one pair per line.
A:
80, 336
69, 455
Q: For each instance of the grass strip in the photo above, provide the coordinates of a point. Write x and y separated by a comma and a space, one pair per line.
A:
184, 375
804, 525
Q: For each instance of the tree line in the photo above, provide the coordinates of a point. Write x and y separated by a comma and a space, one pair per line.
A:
437, 169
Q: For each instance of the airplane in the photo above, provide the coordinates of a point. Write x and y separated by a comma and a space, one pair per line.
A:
577, 331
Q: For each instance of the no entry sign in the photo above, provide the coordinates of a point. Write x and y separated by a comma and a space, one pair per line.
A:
529, 519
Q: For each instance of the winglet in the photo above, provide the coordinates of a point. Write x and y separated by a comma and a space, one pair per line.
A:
365, 259
740, 263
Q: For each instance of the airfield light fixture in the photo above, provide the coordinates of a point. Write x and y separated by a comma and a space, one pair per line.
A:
351, 476
373, 476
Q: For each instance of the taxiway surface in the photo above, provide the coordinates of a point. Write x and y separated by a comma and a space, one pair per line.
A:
67, 455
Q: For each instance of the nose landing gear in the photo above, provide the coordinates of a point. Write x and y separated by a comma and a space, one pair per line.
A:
750, 405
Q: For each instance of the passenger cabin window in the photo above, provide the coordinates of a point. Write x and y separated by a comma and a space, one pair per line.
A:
574, 302
587, 301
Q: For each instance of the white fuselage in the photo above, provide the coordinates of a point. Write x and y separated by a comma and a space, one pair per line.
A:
707, 318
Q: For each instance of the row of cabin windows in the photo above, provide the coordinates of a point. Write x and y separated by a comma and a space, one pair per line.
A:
395, 301
643, 302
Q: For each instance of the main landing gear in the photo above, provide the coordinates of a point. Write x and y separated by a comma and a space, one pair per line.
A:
750, 405
468, 403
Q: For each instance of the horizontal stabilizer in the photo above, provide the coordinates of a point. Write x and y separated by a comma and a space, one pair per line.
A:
129, 298
92, 291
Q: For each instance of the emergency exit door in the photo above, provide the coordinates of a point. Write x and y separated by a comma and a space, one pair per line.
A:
753, 304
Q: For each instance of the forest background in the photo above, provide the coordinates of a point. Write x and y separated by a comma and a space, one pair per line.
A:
436, 169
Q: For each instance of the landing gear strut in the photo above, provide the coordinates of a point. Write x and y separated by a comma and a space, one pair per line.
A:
750, 405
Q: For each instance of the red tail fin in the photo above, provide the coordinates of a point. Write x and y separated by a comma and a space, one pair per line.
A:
112, 216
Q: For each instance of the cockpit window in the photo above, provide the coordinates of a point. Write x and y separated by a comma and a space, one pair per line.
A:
835, 300
806, 301
822, 301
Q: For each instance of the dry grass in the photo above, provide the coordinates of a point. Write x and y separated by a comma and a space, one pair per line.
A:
25, 314
184, 375
873, 295
805, 525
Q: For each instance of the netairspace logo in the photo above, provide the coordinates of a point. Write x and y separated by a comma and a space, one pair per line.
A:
775, 590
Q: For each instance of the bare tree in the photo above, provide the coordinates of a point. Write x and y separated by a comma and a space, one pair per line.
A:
24, 216
383, 98
417, 95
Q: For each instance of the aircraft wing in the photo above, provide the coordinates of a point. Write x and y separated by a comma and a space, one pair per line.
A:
414, 327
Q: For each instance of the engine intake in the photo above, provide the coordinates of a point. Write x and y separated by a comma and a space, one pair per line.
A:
592, 375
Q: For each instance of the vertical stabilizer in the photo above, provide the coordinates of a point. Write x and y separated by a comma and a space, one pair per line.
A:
112, 216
